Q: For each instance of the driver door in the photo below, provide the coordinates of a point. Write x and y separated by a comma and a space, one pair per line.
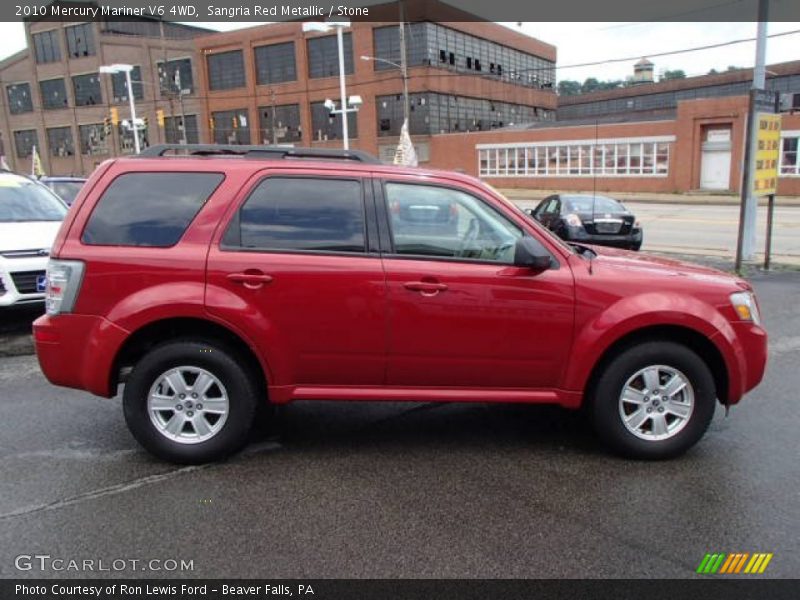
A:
460, 314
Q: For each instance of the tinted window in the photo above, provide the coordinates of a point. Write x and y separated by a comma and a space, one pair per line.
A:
436, 221
149, 209
587, 204
67, 190
22, 200
301, 214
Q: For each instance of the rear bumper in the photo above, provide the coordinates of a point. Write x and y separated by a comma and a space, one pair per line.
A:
578, 234
78, 351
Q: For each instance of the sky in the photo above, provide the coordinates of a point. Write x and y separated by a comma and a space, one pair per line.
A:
579, 43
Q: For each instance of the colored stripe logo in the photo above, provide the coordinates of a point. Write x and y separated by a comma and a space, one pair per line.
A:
735, 563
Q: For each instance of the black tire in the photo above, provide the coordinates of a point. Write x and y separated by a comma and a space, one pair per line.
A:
605, 400
217, 360
636, 247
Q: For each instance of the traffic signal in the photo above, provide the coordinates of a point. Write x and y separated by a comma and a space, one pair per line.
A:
114, 116
211, 123
160, 117
107, 126
235, 122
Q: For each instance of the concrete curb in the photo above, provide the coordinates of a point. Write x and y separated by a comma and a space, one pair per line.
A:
18, 344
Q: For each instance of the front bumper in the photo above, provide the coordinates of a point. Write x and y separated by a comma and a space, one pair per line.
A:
751, 354
78, 351
22, 270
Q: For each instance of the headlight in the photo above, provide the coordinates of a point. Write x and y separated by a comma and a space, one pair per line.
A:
573, 220
744, 303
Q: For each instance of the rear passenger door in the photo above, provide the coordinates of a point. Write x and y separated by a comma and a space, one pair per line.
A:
297, 269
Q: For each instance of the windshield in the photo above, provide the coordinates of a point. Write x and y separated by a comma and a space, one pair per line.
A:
587, 204
23, 200
552, 236
67, 190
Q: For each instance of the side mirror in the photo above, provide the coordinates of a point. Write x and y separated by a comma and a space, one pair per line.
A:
530, 254
530, 212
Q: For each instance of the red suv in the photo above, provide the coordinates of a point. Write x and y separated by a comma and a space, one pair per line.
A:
224, 280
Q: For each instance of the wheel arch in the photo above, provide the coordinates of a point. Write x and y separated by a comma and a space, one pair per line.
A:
686, 336
140, 341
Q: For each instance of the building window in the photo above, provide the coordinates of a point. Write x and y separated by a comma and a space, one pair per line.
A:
127, 145
790, 163
119, 85
174, 129
86, 89
279, 124
643, 157
231, 126
24, 141
386, 45
19, 98
80, 40
323, 56
54, 93
93, 139
59, 140
451, 114
390, 114
327, 126
225, 70
275, 63
46, 46
175, 76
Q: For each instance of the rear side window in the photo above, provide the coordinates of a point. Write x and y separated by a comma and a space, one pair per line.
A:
301, 214
149, 209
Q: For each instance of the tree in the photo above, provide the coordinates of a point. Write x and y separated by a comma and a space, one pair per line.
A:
567, 87
713, 72
590, 85
676, 74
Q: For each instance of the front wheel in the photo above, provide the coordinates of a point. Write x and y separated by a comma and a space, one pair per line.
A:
190, 402
654, 400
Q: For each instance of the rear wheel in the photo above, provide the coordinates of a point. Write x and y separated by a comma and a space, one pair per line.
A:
190, 402
654, 400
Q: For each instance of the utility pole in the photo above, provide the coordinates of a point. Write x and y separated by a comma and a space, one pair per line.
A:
404, 63
272, 116
746, 242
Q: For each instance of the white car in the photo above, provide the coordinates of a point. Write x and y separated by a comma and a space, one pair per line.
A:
30, 215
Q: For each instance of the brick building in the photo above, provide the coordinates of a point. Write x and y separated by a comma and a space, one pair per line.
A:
268, 84
673, 136
53, 96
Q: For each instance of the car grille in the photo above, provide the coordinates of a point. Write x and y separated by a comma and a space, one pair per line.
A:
25, 281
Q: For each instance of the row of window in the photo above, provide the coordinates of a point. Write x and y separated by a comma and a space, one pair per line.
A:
79, 43
428, 44
669, 100
174, 76
430, 113
303, 215
613, 159
276, 63
433, 44
93, 138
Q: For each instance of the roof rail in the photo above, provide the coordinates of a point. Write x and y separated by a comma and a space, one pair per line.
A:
266, 152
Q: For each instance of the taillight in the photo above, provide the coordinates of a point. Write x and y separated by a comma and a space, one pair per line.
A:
63, 283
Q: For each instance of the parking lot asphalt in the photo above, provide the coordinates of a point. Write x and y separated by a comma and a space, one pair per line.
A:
405, 490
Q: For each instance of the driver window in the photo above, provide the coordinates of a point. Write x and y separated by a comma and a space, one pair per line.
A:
447, 223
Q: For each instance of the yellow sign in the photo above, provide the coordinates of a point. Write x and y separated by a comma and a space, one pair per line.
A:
768, 140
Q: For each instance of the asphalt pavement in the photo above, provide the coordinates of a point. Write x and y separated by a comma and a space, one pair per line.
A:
404, 490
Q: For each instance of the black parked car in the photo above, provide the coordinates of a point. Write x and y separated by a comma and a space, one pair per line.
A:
589, 219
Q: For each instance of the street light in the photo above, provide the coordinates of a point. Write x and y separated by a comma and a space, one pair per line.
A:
120, 68
339, 26
404, 72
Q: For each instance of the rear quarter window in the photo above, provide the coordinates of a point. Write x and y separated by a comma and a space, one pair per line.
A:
148, 209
